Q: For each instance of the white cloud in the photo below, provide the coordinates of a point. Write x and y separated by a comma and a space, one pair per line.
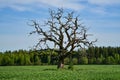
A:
26, 4
104, 2
107, 39
103, 7
98, 10
16, 42
19, 8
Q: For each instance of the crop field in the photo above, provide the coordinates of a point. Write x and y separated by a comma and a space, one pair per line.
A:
80, 72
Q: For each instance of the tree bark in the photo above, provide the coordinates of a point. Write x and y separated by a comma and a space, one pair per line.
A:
60, 63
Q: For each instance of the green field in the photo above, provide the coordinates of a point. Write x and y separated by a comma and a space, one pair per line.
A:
81, 72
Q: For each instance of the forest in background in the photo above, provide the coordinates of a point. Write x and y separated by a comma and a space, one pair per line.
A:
92, 55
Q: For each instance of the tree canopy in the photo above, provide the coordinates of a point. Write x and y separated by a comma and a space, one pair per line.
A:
64, 30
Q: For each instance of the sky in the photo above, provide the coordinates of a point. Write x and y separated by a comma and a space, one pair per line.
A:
102, 17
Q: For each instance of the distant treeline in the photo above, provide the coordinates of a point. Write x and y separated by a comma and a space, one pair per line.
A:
92, 55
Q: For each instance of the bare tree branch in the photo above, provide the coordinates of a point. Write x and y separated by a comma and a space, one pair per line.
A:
64, 30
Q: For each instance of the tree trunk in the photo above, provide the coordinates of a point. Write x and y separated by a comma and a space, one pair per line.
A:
60, 63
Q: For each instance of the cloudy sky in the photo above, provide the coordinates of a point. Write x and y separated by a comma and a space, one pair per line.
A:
101, 16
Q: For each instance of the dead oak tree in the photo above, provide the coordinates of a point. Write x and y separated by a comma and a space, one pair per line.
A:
65, 31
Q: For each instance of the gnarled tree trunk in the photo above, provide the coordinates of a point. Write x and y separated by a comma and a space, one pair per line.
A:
60, 63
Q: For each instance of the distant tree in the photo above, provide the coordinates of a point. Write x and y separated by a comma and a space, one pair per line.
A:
6, 60
65, 31
110, 60
1, 56
105, 52
94, 60
31, 54
66, 60
75, 61
27, 59
91, 52
90, 60
84, 60
11, 59
99, 61
97, 53
21, 59
117, 58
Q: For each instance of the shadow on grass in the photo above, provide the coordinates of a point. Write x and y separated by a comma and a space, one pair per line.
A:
50, 69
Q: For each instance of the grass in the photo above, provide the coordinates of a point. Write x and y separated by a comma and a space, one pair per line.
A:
80, 72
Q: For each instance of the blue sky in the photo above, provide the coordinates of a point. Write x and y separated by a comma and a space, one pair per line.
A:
101, 16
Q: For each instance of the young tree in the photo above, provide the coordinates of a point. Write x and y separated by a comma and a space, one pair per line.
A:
110, 60
84, 60
64, 30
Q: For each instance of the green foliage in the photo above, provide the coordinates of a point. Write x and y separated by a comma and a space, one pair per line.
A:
36, 60
92, 55
90, 61
75, 61
70, 67
117, 58
6, 60
84, 60
1, 56
31, 57
66, 60
21, 60
70, 63
99, 61
27, 59
110, 60
94, 60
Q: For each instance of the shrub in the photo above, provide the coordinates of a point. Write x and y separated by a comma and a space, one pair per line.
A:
27, 60
99, 60
84, 60
110, 60
90, 61
6, 60
66, 61
117, 58
37, 60
75, 61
